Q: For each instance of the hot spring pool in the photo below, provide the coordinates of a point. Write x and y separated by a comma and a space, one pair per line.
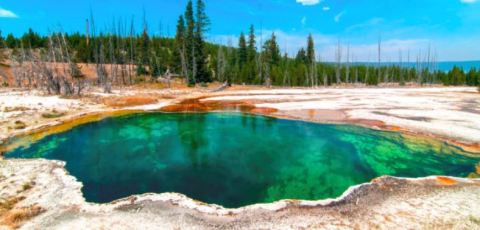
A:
235, 159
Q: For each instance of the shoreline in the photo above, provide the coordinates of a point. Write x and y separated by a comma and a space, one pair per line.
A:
57, 195
46, 188
206, 103
42, 131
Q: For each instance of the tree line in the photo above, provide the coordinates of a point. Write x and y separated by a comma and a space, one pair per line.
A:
121, 55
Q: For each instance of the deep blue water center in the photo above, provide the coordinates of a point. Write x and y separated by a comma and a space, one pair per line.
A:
236, 159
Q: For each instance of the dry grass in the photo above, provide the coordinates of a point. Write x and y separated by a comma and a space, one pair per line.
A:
8, 204
15, 217
12, 217
15, 109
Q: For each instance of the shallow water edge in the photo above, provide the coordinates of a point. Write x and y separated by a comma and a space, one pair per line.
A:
33, 134
457, 192
369, 205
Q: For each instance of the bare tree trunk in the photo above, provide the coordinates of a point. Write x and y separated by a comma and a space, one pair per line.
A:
338, 58
113, 61
268, 81
183, 59
419, 72
69, 88
313, 73
379, 50
347, 73
285, 75
325, 79
221, 65
54, 83
132, 50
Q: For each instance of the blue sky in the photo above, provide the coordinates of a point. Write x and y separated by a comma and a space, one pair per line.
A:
451, 28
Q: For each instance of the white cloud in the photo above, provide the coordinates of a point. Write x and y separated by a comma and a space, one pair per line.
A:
7, 14
468, 1
308, 2
370, 23
304, 21
339, 16
326, 8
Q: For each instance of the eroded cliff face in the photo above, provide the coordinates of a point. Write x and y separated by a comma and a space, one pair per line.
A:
40, 194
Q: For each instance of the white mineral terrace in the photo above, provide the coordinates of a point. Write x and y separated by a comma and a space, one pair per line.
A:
51, 199
447, 112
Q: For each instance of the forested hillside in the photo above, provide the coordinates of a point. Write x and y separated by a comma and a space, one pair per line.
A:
124, 52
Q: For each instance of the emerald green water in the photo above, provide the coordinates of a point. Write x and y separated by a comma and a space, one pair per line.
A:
236, 159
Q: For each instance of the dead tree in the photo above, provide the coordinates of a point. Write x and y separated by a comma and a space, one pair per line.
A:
338, 59
101, 71
53, 80
285, 76
132, 52
313, 72
221, 64
268, 81
183, 60
347, 72
113, 61
379, 52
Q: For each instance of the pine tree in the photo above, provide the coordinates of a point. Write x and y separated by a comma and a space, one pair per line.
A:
310, 50
189, 43
252, 49
272, 51
251, 56
179, 46
271, 56
301, 56
201, 26
242, 51
2, 41
471, 77
32, 39
11, 42
456, 76
143, 51
311, 64
2, 46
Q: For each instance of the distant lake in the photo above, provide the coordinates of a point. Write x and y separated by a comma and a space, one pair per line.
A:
444, 66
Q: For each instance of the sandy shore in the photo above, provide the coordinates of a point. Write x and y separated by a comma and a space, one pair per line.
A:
40, 193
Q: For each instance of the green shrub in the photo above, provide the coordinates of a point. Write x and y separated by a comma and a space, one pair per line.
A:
27, 186
53, 114
19, 125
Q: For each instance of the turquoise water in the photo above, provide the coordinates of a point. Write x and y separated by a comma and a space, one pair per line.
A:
236, 159
442, 66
